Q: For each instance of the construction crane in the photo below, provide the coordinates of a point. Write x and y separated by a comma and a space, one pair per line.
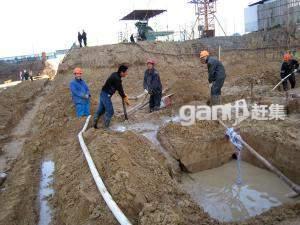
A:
205, 11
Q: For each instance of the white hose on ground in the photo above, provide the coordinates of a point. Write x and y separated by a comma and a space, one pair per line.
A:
290, 183
119, 215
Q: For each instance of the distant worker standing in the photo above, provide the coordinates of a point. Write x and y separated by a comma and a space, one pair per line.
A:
21, 75
216, 76
132, 39
79, 36
84, 38
112, 84
31, 75
26, 75
152, 85
80, 94
289, 66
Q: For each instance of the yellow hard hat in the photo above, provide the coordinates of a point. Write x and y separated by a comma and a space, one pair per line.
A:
204, 54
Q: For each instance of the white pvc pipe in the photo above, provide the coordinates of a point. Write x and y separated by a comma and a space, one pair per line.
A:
291, 184
119, 215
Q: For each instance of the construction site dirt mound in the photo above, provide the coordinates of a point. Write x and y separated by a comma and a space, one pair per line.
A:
198, 147
278, 143
15, 101
132, 168
139, 183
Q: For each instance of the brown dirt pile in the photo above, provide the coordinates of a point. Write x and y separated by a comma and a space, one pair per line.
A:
15, 101
278, 143
130, 166
198, 147
139, 183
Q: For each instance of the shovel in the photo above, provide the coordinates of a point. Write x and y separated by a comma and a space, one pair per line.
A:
124, 109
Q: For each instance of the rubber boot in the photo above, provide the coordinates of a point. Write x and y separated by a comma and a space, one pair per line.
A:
95, 124
106, 123
215, 100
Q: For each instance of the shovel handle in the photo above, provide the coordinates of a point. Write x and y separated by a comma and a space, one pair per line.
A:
124, 109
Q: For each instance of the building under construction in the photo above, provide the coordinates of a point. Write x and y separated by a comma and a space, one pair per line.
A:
262, 15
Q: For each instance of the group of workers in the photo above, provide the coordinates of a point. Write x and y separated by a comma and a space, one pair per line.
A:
25, 75
152, 86
81, 93
82, 38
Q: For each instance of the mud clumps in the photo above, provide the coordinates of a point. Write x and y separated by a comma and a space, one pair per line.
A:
199, 147
139, 184
277, 143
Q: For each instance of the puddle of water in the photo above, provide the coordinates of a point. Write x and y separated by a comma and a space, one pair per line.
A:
45, 192
215, 190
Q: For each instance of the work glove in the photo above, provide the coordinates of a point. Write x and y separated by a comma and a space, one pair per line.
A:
86, 96
210, 85
145, 91
126, 100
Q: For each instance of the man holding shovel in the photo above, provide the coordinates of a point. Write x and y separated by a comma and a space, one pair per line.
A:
216, 76
289, 66
112, 84
152, 86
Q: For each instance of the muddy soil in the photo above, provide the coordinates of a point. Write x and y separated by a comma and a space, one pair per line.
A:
132, 168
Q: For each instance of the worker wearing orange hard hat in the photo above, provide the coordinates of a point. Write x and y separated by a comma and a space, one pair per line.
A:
152, 85
80, 93
216, 76
289, 67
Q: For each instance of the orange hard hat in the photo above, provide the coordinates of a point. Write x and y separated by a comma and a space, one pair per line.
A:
77, 70
287, 57
151, 61
204, 54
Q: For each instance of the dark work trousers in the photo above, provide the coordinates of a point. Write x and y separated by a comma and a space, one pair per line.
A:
291, 79
154, 103
105, 106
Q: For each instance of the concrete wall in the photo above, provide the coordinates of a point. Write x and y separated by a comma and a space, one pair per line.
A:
274, 39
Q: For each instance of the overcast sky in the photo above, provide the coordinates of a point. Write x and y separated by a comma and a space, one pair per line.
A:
33, 26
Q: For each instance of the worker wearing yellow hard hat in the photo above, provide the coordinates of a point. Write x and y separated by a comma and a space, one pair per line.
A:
216, 76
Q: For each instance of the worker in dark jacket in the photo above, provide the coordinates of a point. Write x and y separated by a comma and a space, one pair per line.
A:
216, 76
79, 39
112, 84
152, 85
84, 38
289, 66
26, 75
80, 94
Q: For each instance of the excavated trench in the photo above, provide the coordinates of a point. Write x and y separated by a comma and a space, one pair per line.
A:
210, 178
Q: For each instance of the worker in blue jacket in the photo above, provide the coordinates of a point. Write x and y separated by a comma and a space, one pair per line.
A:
80, 94
152, 86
